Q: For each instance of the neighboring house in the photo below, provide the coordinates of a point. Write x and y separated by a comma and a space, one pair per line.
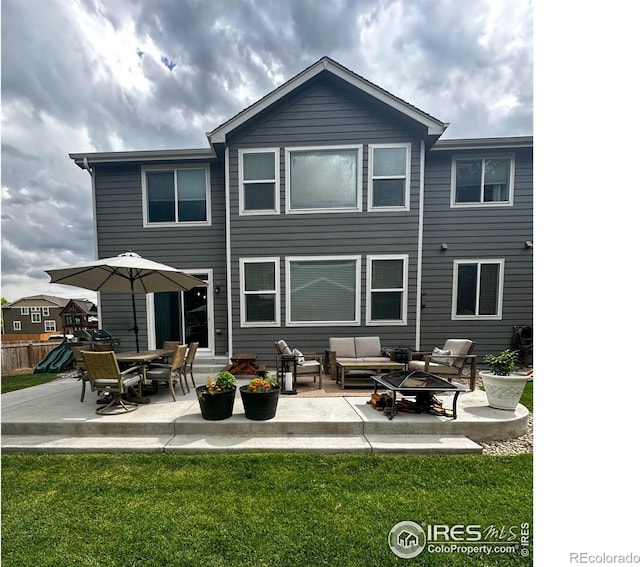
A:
35, 315
329, 207
78, 314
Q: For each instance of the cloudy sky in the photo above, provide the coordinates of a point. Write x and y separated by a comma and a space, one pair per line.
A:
110, 75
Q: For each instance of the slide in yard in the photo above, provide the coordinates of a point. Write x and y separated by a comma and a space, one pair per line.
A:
57, 357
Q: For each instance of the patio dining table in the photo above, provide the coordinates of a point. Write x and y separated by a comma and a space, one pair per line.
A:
132, 357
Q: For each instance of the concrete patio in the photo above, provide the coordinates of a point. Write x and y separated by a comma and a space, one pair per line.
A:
51, 419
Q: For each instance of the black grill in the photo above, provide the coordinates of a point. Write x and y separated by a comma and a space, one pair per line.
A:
93, 336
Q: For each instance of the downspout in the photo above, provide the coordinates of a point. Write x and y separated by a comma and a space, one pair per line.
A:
92, 173
420, 240
227, 229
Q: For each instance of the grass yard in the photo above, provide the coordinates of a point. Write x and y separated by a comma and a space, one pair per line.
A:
20, 381
267, 509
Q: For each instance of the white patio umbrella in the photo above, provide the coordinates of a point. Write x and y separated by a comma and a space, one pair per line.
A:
126, 273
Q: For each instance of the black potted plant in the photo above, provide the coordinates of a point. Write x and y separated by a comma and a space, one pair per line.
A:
260, 398
216, 397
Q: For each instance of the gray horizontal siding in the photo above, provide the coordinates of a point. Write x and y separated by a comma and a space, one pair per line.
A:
119, 218
476, 233
322, 115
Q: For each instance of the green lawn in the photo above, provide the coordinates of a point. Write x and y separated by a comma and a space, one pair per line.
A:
267, 509
20, 381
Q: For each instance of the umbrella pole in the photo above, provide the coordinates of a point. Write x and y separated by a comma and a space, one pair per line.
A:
135, 318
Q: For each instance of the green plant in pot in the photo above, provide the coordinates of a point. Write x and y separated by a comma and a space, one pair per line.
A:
502, 385
216, 397
260, 398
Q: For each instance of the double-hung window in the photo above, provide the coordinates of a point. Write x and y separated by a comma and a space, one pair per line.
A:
24, 311
323, 290
323, 179
387, 290
485, 181
260, 292
176, 195
259, 181
389, 178
477, 289
49, 326
17, 325
36, 317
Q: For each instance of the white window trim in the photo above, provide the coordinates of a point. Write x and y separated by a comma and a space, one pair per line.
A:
175, 167
45, 312
17, 325
287, 169
276, 292
24, 311
36, 317
454, 296
358, 304
405, 289
512, 171
276, 181
407, 178
50, 326
35, 309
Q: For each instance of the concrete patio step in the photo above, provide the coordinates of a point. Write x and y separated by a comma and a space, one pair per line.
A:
379, 444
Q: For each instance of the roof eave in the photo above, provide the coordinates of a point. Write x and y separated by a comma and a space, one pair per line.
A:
85, 159
507, 142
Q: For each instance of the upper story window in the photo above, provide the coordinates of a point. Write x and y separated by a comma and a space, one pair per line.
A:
260, 291
45, 312
36, 317
324, 179
259, 181
174, 195
24, 311
387, 279
485, 181
389, 177
477, 289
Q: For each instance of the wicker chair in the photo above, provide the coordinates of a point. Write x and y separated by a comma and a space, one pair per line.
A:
188, 362
78, 357
105, 376
308, 365
158, 372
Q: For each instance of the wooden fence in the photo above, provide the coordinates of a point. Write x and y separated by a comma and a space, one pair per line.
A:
24, 355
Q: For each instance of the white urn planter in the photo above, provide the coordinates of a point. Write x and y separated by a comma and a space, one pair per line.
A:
504, 392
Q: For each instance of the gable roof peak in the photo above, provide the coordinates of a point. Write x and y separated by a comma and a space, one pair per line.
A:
325, 64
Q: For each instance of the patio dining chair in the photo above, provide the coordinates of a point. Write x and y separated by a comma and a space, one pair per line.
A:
447, 362
160, 372
78, 358
105, 376
188, 362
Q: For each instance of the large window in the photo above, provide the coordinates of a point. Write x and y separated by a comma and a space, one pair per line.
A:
176, 195
389, 177
49, 326
324, 179
387, 290
323, 290
477, 292
482, 181
259, 284
259, 179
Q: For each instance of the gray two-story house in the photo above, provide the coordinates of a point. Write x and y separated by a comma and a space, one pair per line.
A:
330, 207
